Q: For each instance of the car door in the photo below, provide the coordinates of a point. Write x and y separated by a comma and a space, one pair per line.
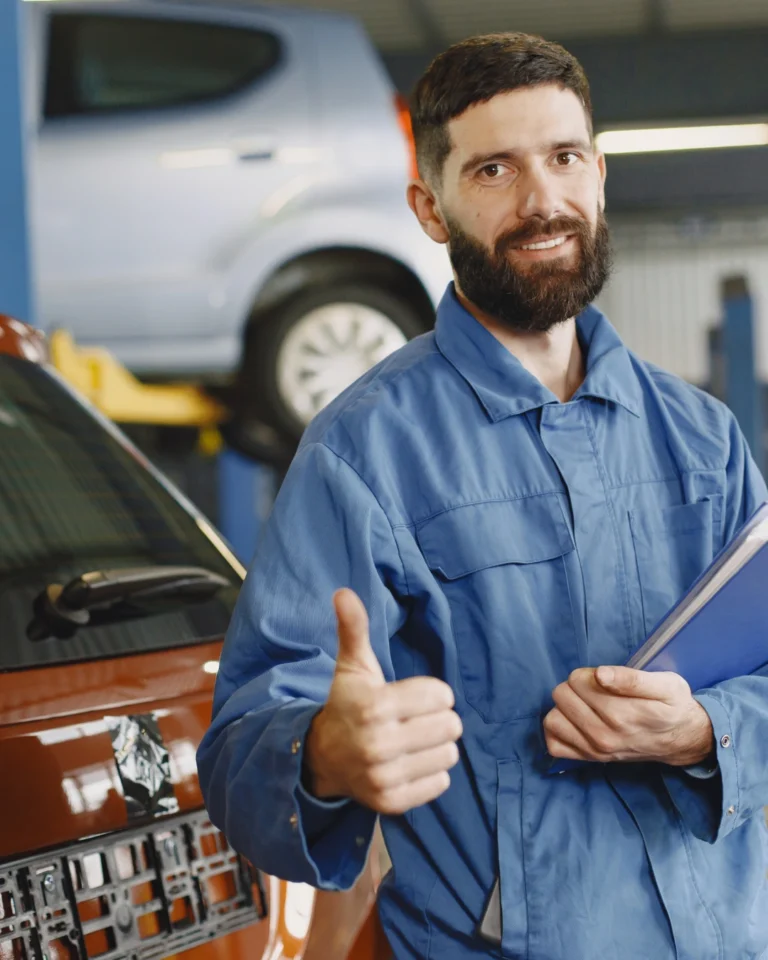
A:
163, 136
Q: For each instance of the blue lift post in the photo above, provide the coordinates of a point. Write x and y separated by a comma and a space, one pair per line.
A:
742, 388
246, 490
16, 286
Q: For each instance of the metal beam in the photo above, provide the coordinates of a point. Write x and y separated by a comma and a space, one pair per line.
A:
434, 38
666, 76
655, 16
16, 296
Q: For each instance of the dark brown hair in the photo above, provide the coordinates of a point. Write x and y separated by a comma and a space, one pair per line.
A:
475, 71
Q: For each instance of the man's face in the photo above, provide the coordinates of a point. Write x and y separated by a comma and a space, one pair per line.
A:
521, 199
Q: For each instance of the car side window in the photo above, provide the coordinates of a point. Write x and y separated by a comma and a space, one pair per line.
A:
100, 63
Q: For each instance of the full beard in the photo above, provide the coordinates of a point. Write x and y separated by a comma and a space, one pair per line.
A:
534, 298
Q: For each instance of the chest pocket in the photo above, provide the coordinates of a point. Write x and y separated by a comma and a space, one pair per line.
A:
502, 567
672, 547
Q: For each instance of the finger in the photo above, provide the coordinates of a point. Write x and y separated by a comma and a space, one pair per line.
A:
572, 705
394, 738
418, 696
431, 730
412, 767
414, 794
599, 704
562, 751
585, 742
583, 685
626, 682
354, 650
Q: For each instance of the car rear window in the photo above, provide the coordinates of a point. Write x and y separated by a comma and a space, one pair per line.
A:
104, 63
76, 497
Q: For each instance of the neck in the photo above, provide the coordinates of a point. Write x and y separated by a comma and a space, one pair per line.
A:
554, 357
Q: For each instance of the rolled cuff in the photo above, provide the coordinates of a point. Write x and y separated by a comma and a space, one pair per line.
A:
335, 835
710, 804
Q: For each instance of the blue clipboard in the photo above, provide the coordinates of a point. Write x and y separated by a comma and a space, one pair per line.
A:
719, 628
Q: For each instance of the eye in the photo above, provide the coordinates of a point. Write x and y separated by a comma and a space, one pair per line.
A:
567, 159
491, 170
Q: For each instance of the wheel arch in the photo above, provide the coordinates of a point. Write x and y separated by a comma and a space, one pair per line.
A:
325, 266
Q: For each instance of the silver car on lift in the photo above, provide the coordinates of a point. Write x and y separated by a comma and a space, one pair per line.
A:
218, 192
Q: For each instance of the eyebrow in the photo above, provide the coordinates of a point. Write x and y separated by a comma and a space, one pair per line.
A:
481, 159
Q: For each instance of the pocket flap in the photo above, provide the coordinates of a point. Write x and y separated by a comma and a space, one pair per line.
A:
494, 532
670, 522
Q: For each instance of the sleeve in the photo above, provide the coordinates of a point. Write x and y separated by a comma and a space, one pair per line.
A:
713, 806
326, 530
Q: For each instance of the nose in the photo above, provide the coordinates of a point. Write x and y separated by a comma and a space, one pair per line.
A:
537, 195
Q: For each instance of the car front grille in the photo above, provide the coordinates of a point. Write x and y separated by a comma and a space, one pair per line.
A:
140, 895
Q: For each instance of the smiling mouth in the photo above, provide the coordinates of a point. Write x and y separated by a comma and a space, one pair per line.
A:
544, 244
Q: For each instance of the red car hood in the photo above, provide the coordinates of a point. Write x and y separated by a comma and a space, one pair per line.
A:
56, 749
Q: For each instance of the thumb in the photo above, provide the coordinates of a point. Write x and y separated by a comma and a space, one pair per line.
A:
644, 684
606, 677
355, 650
620, 680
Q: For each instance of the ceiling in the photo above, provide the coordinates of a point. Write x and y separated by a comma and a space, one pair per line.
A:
399, 26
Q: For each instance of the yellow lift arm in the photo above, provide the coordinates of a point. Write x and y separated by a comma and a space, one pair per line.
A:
118, 394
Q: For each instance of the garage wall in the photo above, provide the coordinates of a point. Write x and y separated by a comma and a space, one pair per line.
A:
665, 290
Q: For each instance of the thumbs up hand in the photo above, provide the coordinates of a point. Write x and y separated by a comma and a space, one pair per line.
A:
387, 745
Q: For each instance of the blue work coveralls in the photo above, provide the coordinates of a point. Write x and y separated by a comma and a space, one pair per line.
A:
499, 539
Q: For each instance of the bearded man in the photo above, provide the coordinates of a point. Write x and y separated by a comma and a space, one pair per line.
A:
514, 500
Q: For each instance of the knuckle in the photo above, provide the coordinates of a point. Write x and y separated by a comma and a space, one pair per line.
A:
679, 685
371, 749
438, 784
603, 743
631, 679
445, 694
450, 755
378, 780
449, 728
456, 726
552, 720
367, 753
389, 802
371, 713
613, 718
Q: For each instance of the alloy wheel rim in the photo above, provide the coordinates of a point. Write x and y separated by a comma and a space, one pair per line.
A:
327, 350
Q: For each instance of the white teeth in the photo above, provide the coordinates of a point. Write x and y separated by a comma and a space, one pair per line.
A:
544, 245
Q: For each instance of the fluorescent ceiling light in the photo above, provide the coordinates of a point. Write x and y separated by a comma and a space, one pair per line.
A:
661, 139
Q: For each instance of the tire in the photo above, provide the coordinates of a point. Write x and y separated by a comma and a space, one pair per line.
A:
311, 347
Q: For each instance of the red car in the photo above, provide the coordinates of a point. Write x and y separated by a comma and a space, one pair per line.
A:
115, 594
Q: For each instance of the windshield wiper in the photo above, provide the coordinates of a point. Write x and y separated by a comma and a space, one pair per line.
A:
109, 596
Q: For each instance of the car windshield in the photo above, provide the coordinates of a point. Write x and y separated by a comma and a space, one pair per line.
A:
76, 497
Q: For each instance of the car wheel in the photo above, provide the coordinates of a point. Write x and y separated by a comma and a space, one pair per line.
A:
306, 352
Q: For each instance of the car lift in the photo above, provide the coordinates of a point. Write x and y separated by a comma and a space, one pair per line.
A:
121, 397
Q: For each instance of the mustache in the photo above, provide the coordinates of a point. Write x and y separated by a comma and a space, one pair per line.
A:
537, 228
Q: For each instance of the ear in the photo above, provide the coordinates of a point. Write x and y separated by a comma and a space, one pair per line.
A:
603, 173
424, 203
